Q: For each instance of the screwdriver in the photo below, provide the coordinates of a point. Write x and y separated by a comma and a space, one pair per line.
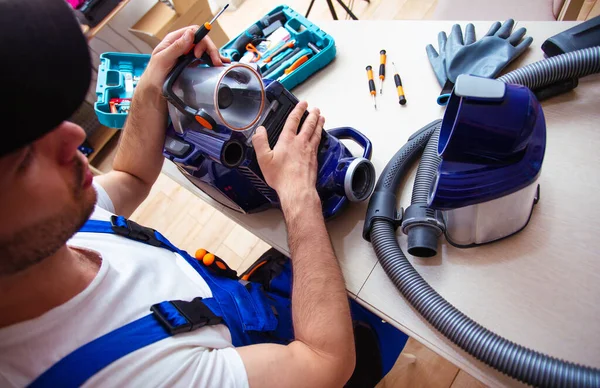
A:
382, 58
200, 34
372, 85
203, 31
398, 82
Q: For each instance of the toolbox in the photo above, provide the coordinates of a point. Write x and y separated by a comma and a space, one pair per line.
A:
312, 50
117, 78
309, 40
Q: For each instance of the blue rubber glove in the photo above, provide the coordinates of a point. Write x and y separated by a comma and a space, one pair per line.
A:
485, 57
490, 54
448, 47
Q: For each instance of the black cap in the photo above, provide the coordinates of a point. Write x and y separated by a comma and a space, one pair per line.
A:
45, 69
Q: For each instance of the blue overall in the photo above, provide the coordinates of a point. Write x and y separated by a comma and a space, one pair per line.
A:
251, 314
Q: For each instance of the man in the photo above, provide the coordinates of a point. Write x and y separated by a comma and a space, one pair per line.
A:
61, 290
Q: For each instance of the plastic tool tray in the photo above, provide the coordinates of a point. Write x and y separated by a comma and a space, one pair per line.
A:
304, 34
117, 77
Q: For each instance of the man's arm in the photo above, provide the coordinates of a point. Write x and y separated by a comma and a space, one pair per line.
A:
322, 354
139, 156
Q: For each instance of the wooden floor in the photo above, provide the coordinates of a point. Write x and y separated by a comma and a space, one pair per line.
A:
191, 224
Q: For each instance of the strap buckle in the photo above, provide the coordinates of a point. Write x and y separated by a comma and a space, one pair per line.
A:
130, 229
178, 316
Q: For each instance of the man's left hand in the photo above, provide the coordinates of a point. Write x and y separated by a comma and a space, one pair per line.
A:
174, 45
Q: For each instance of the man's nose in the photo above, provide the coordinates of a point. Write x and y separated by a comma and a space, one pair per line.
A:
71, 136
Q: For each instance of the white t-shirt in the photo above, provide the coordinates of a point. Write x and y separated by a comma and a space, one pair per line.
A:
132, 277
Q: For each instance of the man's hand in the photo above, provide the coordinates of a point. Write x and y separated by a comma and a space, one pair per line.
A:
174, 45
322, 353
291, 167
139, 156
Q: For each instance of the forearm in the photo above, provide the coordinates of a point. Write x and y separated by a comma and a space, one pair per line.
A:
320, 308
140, 148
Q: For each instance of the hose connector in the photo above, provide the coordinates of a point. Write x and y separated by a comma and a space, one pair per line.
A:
423, 226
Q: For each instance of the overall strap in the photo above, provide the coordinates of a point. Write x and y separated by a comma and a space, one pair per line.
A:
167, 319
238, 306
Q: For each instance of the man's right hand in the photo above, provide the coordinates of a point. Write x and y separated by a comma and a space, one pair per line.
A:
290, 168
322, 353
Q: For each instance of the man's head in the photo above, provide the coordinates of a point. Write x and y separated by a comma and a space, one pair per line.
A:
45, 183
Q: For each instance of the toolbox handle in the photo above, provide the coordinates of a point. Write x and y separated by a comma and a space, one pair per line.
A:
353, 134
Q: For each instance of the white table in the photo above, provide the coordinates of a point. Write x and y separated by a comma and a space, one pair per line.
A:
539, 288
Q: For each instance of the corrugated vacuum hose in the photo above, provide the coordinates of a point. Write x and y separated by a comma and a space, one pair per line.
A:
575, 64
519, 362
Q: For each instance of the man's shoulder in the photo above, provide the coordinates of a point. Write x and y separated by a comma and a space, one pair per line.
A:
103, 201
100, 214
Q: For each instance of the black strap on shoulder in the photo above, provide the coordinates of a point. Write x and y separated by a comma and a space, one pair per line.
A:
130, 229
178, 316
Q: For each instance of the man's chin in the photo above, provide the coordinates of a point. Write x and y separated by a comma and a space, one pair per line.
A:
42, 239
89, 200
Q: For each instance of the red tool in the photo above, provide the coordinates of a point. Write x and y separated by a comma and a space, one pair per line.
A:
113, 102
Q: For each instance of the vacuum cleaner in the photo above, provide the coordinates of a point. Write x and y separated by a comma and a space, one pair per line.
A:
214, 112
476, 183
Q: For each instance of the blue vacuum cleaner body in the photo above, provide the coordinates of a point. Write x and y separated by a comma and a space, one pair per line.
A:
222, 162
492, 143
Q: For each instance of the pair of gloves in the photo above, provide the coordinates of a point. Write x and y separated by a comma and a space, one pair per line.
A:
485, 57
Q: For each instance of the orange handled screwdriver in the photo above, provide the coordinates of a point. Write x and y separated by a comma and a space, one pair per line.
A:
203, 31
281, 48
215, 263
398, 82
372, 85
382, 58
205, 28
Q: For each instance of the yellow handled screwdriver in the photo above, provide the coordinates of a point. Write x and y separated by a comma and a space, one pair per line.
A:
372, 85
382, 58
398, 82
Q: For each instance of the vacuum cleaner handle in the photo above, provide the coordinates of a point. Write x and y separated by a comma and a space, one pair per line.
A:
382, 205
583, 35
353, 134
181, 64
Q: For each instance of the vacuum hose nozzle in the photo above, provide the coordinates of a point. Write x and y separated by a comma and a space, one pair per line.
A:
423, 226
359, 179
